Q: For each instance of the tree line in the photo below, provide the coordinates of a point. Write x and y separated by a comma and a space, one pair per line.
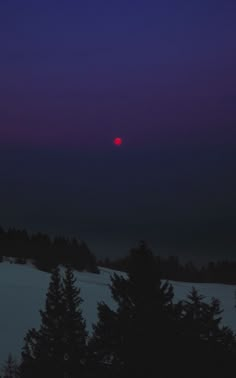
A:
147, 335
221, 271
44, 252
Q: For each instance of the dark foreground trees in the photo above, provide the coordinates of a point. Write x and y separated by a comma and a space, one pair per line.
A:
142, 323
205, 344
58, 348
147, 335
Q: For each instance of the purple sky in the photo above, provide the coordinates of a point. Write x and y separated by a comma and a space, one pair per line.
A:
160, 74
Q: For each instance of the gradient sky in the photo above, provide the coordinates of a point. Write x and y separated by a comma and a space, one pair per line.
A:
160, 74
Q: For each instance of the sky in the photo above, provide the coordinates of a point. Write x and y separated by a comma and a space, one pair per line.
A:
160, 75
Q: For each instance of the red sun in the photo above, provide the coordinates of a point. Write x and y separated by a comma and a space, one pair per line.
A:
118, 141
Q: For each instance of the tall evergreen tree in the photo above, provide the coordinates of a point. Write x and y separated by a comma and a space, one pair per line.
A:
44, 352
142, 323
206, 344
75, 335
58, 348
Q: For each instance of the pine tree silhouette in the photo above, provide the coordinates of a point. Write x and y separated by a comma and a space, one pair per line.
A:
126, 341
206, 344
75, 334
10, 368
45, 347
58, 348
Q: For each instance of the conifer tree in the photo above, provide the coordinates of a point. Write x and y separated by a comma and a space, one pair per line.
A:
58, 348
10, 368
204, 340
75, 335
140, 325
103, 345
44, 351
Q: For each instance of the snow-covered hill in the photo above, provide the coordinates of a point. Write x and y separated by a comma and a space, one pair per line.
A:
23, 290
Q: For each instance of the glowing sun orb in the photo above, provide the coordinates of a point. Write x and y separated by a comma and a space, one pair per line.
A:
118, 141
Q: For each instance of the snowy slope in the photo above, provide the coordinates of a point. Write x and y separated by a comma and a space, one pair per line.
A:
23, 290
